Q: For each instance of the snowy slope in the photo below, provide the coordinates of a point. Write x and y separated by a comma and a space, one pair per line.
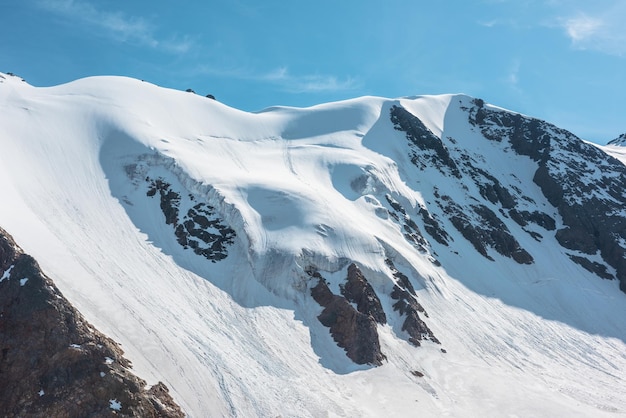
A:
85, 170
617, 150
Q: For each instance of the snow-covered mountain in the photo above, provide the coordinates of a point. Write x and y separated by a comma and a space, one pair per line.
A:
430, 255
620, 140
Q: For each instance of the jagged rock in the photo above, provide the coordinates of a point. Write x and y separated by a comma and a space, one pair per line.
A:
433, 228
524, 217
478, 224
412, 232
358, 290
408, 306
577, 238
592, 266
405, 283
352, 330
427, 148
620, 140
487, 231
169, 201
490, 187
200, 229
53, 363
587, 186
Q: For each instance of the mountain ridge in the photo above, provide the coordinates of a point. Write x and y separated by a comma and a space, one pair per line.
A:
153, 205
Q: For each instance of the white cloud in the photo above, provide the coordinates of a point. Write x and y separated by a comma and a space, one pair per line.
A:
489, 23
278, 74
513, 76
310, 83
115, 24
583, 28
306, 83
602, 30
597, 25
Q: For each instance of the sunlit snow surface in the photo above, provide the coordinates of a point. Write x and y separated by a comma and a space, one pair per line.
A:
617, 151
299, 186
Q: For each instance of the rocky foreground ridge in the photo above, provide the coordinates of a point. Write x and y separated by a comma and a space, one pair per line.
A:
53, 363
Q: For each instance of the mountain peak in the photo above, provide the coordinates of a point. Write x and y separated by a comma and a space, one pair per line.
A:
370, 242
620, 140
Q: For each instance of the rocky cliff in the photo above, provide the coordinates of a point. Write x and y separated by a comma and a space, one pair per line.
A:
53, 363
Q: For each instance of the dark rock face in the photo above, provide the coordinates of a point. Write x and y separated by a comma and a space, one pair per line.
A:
352, 330
355, 329
525, 217
55, 364
490, 187
169, 200
433, 228
477, 223
592, 266
427, 149
412, 232
358, 290
408, 306
484, 229
410, 229
200, 229
587, 186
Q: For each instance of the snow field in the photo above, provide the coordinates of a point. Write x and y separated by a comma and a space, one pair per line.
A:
299, 186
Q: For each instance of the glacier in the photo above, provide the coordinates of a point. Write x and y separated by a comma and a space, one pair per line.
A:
187, 231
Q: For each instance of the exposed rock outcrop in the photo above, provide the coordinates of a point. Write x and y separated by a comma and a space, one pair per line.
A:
352, 330
411, 231
426, 148
358, 290
199, 229
484, 229
53, 363
585, 185
408, 306
355, 329
478, 223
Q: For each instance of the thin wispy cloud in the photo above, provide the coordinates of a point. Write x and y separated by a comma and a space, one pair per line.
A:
600, 31
310, 83
291, 83
114, 24
513, 76
489, 23
582, 28
597, 26
509, 22
512, 79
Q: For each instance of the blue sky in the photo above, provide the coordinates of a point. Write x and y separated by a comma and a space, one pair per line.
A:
559, 60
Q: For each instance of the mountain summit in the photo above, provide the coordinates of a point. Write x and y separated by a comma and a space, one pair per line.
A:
620, 140
430, 255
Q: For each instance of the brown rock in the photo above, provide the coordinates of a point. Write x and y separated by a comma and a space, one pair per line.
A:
53, 363
352, 330
358, 290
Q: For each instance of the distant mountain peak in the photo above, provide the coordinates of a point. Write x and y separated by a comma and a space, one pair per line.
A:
620, 140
